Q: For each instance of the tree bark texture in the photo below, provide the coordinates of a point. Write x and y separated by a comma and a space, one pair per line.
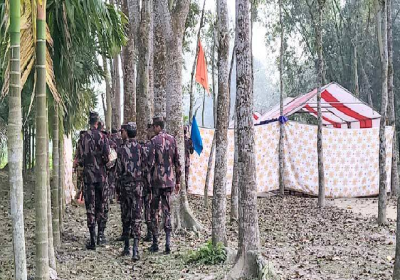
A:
159, 54
14, 145
131, 8
41, 229
282, 125
381, 25
321, 170
55, 183
245, 266
143, 106
151, 62
391, 106
396, 270
116, 113
61, 192
235, 177
221, 132
173, 24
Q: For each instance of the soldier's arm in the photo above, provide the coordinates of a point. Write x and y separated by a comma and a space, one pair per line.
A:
151, 157
79, 153
177, 164
106, 149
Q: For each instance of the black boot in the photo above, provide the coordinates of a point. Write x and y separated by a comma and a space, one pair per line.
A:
126, 247
91, 245
154, 247
168, 242
135, 255
148, 235
101, 239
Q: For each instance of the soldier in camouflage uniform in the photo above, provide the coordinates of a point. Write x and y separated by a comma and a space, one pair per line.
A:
95, 151
130, 167
147, 183
188, 151
163, 157
78, 169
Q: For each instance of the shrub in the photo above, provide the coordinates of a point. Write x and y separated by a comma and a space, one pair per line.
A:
208, 254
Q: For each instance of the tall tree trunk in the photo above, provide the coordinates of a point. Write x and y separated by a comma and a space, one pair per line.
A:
381, 25
52, 257
192, 99
55, 185
282, 125
143, 106
108, 113
367, 86
321, 170
159, 54
173, 24
14, 145
221, 132
41, 230
131, 10
396, 270
391, 106
151, 62
116, 113
249, 242
355, 8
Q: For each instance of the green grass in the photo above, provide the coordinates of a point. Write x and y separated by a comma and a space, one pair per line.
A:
207, 254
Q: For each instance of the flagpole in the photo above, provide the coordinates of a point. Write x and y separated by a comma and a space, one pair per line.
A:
204, 104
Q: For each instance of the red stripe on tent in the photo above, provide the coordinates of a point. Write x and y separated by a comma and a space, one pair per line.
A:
364, 121
335, 124
255, 116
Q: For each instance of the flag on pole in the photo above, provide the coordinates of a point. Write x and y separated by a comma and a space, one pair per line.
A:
196, 137
201, 69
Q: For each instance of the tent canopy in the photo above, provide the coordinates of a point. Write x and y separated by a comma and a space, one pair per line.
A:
340, 108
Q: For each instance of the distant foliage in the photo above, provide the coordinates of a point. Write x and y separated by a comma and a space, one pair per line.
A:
208, 254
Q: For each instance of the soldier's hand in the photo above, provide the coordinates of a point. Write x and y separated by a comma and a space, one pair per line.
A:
177, 188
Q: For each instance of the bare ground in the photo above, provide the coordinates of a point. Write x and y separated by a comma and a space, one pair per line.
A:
302, 241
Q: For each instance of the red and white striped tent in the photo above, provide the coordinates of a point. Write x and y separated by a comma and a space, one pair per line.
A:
340, 108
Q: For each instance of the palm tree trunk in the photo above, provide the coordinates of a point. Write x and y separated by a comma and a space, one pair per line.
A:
221, 132
14, 145
41, 230
321, 170
55, 185
282, 127
61, 191
191, 105
52, 257
116, 119
143, 106
249, 243
391, 106
381, 19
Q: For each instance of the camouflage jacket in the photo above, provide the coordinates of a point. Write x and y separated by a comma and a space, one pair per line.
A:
188, 150
163, 157
116, 139
94, 152
146, 146
130, 163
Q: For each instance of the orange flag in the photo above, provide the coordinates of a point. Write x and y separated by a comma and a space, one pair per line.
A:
201, 69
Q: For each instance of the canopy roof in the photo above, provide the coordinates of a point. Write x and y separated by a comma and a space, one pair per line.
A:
340, 108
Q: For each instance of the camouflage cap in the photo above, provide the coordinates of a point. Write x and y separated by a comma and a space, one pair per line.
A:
158, 119
129, 126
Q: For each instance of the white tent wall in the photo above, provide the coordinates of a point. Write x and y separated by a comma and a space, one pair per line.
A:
350, 160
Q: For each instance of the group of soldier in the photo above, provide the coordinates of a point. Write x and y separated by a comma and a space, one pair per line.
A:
140, 174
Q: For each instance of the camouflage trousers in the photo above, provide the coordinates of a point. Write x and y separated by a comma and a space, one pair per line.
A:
162, 195
96, 202
111, 183
187, 168
147, 207
131, 208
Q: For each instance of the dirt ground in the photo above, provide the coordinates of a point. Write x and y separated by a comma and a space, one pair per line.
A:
302, 241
